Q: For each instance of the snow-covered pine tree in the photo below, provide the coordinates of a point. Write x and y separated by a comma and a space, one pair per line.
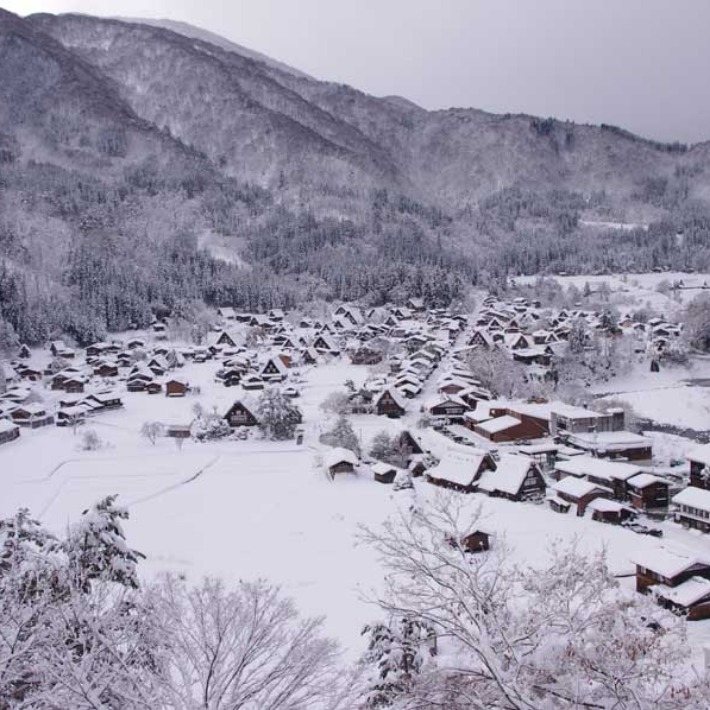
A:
97, 550
342, 435
397, 651
278, 417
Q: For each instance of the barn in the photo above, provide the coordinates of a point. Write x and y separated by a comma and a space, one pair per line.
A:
390, 403
241, 413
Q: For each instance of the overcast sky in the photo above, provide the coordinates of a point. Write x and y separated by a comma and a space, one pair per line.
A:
640, 64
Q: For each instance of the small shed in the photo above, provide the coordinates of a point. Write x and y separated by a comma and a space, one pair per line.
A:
384, 472
340, 460
176, 388
476, 541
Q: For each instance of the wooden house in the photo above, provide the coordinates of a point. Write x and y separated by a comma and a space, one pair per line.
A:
176, 388
648, 492
692, 508
699, 459
241, 413
225, 339
611, 475
476, 541
408, 444
226, 312
449, 408
679, 582
365, 356
390, 403
274, 370
384, 472
340, 460
71, 416
32, 416
324, 345
613, 445
158, 365
178, 431
515, 478
574, 492
461, 469
74, 385
30, 373
309, 356
106, 369
252, 382
604, 510
9, 431
106, 400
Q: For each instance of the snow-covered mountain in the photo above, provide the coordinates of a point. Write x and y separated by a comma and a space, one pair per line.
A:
185, 28
128, 148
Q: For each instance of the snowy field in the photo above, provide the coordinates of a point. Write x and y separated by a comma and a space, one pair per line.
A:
242, 510
634, 290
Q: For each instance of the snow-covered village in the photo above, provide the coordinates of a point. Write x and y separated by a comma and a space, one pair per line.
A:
279, 443
354, 355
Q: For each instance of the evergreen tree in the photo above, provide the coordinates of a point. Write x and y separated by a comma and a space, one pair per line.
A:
278, 417
342, 435
96, 547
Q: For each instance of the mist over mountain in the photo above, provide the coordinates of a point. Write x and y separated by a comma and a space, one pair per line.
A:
151, 164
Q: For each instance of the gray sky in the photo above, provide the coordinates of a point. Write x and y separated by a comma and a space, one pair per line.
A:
639, 64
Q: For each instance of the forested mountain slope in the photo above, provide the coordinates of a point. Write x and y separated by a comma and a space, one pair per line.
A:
129, 152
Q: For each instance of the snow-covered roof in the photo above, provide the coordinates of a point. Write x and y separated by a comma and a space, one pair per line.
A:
604, 505
611, 440
477, 415
685, 594
536, 449
574, 487
701, 454
340, 455
459, 467
667, 563
644, 480
396, 396
493, 426
599, 468
278, 364
508, 476
571, 412
6, 425
444, 399
381, 468
693, 497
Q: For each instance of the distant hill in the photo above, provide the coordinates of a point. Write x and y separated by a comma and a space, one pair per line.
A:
128, 149
184, 28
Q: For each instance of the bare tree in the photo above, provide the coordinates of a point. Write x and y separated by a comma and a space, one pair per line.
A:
245, 647
336, 403
498, 372
561, 636
91, 441
152, 430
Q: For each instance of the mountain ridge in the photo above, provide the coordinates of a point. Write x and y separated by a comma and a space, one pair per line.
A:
127, 150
